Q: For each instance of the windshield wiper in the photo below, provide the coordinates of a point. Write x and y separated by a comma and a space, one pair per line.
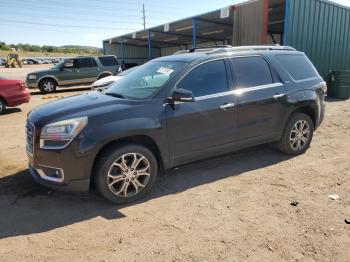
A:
115, 95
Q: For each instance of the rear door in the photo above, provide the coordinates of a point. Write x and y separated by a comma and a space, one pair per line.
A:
195, 128
260, 98
88, 70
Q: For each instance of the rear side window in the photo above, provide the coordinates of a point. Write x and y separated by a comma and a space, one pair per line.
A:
251, 71
108, 60
206, 79
87, 62
298, 66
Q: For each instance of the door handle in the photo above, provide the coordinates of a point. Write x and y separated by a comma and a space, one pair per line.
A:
227, 106
277, 96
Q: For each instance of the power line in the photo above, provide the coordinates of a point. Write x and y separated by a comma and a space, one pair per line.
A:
61, 25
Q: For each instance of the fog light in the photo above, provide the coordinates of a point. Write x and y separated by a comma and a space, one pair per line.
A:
53, 174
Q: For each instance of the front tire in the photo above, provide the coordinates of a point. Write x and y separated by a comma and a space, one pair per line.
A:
126, 173
47, 86
297, 136
2, 106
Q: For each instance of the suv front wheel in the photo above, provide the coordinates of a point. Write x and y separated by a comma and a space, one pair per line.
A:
125, 173
47, 86
297, 135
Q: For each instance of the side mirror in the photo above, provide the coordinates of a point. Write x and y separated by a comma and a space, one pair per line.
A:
181, 95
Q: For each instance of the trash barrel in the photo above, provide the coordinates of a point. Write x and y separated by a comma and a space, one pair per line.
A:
339, 84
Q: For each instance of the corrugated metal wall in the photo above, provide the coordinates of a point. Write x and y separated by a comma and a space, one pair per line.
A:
132, 54
248, 23
321, 30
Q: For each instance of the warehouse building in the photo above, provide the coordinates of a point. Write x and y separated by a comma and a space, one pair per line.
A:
319, 28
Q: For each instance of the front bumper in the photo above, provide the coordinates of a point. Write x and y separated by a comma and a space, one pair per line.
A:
32, 84
75, 186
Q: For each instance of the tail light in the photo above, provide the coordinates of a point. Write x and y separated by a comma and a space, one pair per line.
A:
324, 87
20, 86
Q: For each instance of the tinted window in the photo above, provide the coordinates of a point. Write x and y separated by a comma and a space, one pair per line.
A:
298, 66
108, 60
251, 71
86, 62
209, 78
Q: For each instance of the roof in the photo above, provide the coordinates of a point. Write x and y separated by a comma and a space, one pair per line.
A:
211, 26
213, 52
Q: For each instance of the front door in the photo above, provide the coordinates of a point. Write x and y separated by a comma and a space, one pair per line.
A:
195, 128
69, 73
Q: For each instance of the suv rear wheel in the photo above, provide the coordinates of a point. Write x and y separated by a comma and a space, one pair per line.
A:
2, 106
297, 135
47, 86
125, 173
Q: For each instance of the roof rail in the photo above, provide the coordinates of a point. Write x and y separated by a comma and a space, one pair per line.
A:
228, 48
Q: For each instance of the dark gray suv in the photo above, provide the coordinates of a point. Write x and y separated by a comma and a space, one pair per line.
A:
174, 110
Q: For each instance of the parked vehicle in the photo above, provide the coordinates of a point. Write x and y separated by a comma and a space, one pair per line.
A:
2, 62
174, 110
73, 71
31, 61
106, 82
12, 93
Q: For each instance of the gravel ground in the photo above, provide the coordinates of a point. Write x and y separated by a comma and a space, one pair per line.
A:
232, 208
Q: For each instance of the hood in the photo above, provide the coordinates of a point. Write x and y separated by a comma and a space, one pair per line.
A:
89, 104
44, 72
106, 80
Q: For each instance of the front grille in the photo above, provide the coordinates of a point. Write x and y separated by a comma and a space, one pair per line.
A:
30, 138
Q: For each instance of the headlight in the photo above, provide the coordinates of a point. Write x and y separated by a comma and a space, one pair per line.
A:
58, 135
32, 77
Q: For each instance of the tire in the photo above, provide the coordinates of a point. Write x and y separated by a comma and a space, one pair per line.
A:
293, 141
47, 86
111, 177
2, 106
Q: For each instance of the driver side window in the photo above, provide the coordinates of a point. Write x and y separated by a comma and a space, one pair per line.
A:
206, 79
71, 63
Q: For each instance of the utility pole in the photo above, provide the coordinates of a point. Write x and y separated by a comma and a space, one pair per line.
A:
144, 16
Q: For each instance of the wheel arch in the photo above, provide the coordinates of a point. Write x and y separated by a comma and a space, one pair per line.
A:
106, 73
47, 77
3, 99
142, 140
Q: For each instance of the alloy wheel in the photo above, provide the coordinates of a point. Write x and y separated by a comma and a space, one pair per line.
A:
48, 86
129, 175
300, 135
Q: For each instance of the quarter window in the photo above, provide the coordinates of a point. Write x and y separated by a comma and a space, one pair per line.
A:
108, 60
298, 66
251, 71
209, 78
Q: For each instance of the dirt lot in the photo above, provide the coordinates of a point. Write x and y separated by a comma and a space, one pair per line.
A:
235, 207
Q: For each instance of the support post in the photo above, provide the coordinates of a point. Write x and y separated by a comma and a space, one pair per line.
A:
149, 45
286, 26
122, 50
194, 26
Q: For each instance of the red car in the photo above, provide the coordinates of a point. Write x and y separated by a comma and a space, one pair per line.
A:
12, 93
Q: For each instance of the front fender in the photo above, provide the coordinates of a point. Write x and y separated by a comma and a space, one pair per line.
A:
95, 139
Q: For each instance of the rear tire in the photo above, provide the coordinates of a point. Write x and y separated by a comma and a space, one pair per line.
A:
47, 86
297, 135
2, 106
125, 173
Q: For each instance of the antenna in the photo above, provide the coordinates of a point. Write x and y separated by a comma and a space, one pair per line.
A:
144, 16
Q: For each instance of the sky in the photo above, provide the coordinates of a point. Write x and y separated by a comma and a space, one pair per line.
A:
88, 22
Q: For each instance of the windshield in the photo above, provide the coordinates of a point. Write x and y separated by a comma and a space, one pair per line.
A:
146, 80
128, 71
